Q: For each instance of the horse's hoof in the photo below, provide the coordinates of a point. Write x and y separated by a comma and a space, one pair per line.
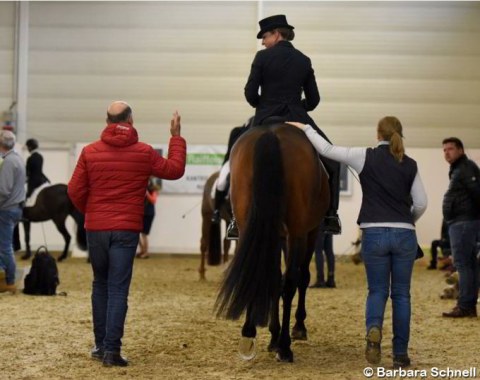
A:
247, 348
299, 334
272, 347
285, 357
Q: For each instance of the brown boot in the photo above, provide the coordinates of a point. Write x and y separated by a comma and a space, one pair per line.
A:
459, 312
8, 288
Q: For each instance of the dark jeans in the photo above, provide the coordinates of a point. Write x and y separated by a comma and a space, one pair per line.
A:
111, 255
324, 243
463, 240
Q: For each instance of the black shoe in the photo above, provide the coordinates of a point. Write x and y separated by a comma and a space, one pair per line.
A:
216, 217
330, 283
97, 353
432, 266
401, 361
232, 230
373, 351
332, 225
318, 284
111, 359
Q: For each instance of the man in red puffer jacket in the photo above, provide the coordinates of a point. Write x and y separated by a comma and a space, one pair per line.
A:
108, 186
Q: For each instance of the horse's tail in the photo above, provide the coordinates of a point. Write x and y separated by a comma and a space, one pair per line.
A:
81, 232
253, 279
214, 244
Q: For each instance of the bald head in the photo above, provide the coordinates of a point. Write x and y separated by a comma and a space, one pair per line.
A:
119, 112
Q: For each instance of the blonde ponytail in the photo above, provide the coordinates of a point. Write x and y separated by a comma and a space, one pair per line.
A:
390, 129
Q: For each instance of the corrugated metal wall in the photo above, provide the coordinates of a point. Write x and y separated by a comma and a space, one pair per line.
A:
7, 43
419, 61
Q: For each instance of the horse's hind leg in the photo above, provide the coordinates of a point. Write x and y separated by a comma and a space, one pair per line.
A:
247, 348
60, 224
26, 230
291, 278
226, 249
274, 325
299, 331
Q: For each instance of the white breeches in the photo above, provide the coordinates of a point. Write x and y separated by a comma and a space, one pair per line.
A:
222, 178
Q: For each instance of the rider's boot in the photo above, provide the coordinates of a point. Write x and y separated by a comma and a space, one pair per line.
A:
332, 221
218, 202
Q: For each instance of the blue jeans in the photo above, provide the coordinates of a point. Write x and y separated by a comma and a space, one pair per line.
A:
111, 255
463, 241
8, 221
388, 255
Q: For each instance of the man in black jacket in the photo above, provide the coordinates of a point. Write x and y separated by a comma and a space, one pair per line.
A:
461, 211
282, 73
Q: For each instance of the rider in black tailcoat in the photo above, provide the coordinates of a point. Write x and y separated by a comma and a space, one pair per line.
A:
282, 73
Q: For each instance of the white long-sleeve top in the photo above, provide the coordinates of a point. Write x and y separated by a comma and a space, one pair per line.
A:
355, 158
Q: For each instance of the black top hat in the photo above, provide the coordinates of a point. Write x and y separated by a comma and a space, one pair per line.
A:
272, 22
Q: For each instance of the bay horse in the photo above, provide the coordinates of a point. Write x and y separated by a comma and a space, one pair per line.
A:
206, 252
52, 203
279, 192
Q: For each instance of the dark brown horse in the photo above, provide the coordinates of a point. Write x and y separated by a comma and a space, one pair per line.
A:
279, 191
52, 203
207, 212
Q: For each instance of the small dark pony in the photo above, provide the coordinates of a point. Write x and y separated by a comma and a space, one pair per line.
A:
52, 203
206, 239
279, 192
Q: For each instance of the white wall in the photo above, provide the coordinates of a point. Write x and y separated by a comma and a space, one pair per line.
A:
173, 233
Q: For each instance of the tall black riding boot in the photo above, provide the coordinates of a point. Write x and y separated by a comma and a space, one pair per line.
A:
332, 221
218, 202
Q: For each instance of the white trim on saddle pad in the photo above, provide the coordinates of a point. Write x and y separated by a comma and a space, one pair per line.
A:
29, 202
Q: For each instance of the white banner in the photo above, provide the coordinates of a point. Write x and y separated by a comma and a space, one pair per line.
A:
202, 161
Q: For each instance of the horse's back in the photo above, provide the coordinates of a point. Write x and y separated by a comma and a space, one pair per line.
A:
305, 179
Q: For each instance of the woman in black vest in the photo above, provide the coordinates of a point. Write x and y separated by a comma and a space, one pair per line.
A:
283, 73
393, 200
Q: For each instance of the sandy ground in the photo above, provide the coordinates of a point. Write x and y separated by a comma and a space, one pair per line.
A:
171, 332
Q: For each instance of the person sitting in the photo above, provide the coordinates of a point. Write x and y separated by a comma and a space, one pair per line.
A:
282, 84
34, 166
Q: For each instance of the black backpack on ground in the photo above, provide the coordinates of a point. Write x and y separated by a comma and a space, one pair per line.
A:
43, 276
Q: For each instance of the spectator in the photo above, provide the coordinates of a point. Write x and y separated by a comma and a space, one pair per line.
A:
108, 186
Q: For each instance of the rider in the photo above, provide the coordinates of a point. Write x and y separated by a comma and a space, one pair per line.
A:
282, 73
35, 176
223, 183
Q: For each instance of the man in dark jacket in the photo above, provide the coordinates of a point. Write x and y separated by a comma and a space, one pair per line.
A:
282, 73
461, 211
109, 185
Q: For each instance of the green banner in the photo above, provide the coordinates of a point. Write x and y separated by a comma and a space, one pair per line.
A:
205, 158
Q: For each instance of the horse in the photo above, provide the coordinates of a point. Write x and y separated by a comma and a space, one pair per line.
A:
206, 239
279, 191
52, 203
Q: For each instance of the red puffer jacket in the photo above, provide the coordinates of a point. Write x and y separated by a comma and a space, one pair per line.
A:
111, 177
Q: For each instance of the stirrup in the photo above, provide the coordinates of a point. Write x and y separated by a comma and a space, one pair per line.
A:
232, 230
332, 225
